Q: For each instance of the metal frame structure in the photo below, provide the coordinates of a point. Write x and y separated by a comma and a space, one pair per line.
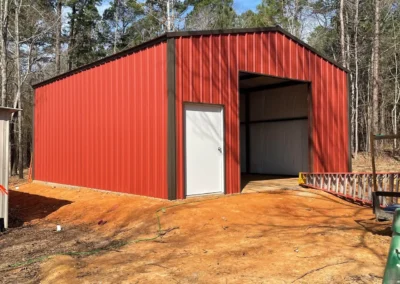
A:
290, 82
269, 51
357, 187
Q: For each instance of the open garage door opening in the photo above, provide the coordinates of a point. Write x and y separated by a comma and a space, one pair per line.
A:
274, 126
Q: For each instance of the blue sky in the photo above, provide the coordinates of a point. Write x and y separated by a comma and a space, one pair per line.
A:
239, 5
244, 5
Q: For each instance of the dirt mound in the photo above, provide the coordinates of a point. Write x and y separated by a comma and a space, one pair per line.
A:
278, 236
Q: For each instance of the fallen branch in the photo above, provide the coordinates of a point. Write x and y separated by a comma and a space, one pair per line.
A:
320, 268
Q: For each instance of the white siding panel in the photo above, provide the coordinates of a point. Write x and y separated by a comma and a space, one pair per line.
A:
279, 148
288, 102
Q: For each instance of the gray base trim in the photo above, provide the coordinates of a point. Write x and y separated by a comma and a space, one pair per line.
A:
171, 124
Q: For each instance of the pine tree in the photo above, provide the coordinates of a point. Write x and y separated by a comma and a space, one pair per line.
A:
84, 22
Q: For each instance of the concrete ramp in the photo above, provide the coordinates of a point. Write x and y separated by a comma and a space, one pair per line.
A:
263, 183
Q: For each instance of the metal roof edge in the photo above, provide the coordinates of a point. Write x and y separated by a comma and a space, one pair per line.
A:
10, 109
312, 49
257, 30
221, 32
103, 60
167, 35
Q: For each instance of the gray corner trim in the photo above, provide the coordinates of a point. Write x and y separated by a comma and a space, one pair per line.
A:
349, 103
33, 138
171, 124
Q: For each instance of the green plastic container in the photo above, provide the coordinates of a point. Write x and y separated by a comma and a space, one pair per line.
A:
392, 269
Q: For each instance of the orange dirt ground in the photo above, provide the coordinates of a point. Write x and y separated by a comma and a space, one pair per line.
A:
289, 235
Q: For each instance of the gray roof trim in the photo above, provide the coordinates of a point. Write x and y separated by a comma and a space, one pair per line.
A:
9, 109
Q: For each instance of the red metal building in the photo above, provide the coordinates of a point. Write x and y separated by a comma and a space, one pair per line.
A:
188, 112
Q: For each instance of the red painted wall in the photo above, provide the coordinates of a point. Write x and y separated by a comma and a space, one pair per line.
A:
106, 128
207, 72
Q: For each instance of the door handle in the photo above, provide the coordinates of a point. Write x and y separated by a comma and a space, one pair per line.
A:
220, 149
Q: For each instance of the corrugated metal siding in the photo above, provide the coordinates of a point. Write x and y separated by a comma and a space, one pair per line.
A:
288, 102
4, 153
207, 72
286, 152
106, 128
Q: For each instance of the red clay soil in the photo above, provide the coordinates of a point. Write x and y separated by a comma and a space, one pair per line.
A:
278, 236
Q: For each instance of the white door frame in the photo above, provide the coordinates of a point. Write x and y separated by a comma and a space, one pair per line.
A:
222, 107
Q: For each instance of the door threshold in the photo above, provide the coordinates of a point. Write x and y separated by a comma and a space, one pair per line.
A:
205, 195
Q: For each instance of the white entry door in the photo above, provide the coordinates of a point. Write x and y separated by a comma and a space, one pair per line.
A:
204, 149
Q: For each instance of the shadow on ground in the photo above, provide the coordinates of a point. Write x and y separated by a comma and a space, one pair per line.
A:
376, 228
25, 207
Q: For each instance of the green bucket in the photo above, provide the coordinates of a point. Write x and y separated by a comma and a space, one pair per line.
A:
392, 269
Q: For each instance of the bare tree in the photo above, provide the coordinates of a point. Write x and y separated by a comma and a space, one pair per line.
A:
58, 36
72, 40
4, 10
17, 99
375, 69
116, 18
203, 19
396, 76
342, 33
356, 76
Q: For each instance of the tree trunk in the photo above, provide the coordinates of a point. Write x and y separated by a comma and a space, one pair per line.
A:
356, 90
17, 96
368, 109
17, 99
3, 60
71, 39
382, 127
297, 30
351, 83
342, 34
375, 70
396, 86
116, 26
58, 36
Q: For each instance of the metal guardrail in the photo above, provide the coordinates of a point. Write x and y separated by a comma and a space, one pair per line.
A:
357, 187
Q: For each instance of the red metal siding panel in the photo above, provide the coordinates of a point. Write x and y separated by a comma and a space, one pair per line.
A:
272, 65
281, 55
207, 71
105, 128
329, 94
